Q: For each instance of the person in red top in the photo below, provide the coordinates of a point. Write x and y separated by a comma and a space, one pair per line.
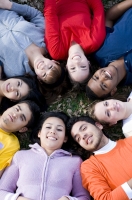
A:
76, 27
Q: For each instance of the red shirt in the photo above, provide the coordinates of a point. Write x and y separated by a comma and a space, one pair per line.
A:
71, 20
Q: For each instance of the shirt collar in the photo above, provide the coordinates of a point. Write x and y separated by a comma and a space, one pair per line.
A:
108, 147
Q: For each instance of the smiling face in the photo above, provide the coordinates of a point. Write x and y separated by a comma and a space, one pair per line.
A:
52, 135
104, 81
110, 111
43, 66
87, 135
77, 64
15, 118
14, 89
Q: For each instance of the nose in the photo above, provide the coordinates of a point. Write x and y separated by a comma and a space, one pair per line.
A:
84, 136
12, 88
103, 77
15, 115
53, 131
112, 107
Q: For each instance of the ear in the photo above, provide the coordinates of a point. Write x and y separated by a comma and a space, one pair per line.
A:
97, 124
56, 62
24, 129
113, 91
39, 134
65, 140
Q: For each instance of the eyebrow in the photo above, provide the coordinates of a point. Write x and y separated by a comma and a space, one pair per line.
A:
100, 84
22, 114
80, 128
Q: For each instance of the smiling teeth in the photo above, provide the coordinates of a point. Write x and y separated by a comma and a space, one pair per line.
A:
108, 74
51, 138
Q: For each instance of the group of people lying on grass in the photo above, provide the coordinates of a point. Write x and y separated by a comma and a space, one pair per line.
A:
52, 168
69, 31
67, 36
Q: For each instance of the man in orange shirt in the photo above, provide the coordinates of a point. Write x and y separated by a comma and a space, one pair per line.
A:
107, 174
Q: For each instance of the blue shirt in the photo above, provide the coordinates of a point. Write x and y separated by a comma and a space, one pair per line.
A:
19, 27
118, 43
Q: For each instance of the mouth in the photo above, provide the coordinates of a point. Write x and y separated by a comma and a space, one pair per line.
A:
89, 139
10, 117
117, 107
52, 138
108, 74
8, 87
76, 57
40, 64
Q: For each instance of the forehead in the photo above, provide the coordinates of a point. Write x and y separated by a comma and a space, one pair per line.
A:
79, 74
77, 126
55, 121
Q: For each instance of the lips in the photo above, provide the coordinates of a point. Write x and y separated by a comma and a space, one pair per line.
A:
52, 138
117, 107
76, 57
39, 65
10, 117
108, 74
89, 139
8, 87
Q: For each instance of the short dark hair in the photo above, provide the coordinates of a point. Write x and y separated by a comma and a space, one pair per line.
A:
42, 119
35, 113
91, 95
74, 120
33, 93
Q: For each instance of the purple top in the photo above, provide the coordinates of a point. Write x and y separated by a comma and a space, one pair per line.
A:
35, 175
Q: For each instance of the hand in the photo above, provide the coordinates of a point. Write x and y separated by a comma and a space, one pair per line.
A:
23, 198
63, 198
5, 4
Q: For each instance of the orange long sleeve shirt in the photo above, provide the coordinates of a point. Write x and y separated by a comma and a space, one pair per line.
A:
81, 21
103, 174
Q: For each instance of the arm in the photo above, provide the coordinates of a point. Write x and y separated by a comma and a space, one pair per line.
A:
97, 29
94, 181
29, 13
116, 11
78, 192
8, 181
52, 31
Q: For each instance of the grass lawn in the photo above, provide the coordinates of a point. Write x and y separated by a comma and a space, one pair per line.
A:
75, 103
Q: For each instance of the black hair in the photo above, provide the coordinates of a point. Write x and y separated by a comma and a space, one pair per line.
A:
42, 119
75, 147
35, 112
33, 94
91, 95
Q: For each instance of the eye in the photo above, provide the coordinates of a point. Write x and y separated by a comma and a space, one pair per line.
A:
106, 103
21, 117
95, 77
83, 66
108, 113
18, 84
48, 127
17, 109
17, 94
104, 85
51, 67
44, 75
78, 139
72, 68
84, 128
58, 129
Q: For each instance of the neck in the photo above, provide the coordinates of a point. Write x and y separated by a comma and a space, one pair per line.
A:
103, 142
128, 110
33, 52
119, 64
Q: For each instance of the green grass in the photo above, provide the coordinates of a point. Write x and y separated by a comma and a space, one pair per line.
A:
76, 103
